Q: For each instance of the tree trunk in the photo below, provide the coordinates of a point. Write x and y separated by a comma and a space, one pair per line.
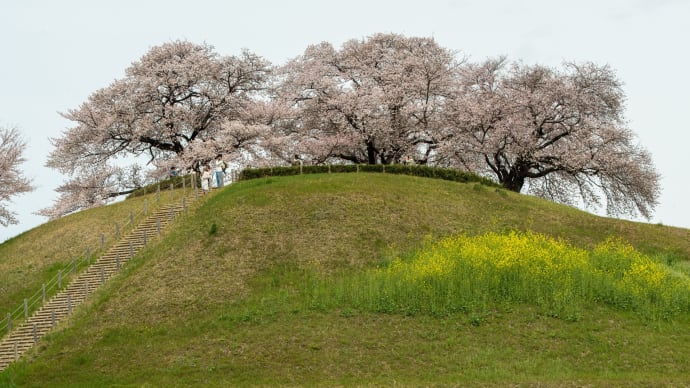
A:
514, 181
371, 153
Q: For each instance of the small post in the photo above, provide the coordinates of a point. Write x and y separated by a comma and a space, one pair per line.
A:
35, 334
172, 214
184, 203
146, 207
184, 186
158, 226
74, 266
43, 292
171, 191
26, 308
86, 290
131, 218
102, 241
16, 352
357, 167
158, 193
117, 261
144, 238
69, 304
117, 231
88, 256
59, 279
9, 322
52, 319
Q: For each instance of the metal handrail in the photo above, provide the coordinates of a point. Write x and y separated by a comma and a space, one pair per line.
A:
70, 270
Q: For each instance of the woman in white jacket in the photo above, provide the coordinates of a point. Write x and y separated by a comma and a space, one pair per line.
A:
206, 178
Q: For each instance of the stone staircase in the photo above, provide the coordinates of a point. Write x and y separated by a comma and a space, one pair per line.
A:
42, 321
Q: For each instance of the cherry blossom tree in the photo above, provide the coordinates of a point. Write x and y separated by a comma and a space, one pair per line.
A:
179, 105
559, 133
12, 179
372, 101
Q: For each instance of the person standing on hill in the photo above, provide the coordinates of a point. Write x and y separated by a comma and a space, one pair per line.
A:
219, 170
206, 178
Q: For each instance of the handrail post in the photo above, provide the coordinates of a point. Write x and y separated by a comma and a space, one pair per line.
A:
9, 322
26, 308
43, 292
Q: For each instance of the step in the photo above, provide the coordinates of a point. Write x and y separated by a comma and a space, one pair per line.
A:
88, 280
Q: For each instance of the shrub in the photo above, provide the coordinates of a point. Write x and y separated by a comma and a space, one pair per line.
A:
413, 170
176, 181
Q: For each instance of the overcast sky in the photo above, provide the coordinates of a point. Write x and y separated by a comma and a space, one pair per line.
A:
54, 54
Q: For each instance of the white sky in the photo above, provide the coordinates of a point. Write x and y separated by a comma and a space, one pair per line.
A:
54, 54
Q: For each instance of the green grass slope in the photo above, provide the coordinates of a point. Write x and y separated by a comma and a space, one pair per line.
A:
34, 258
216, 302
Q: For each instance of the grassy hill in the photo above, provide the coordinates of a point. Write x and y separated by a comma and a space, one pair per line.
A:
219, 300
34, 257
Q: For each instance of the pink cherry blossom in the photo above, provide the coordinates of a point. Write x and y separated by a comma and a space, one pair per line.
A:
12, 179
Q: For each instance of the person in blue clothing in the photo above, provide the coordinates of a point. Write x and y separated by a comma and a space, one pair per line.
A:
219, 170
